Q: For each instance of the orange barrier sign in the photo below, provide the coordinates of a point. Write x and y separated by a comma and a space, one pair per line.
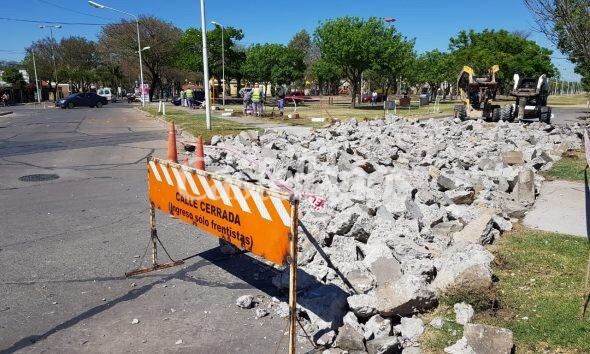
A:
253, 218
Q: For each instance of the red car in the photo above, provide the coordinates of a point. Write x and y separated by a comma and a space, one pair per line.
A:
296, 96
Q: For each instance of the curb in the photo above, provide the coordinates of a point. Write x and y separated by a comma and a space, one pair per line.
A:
5, 113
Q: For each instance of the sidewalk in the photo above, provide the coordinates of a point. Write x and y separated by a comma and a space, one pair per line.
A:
561, 207
277, 123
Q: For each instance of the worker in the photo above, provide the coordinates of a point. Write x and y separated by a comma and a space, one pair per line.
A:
189, 98
256, 98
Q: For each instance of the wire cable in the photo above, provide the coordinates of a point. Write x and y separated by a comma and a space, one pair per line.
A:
53, 22
74, 11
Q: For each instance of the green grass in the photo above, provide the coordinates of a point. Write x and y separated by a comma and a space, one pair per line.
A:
569, 100
539, 288
195, 123
570, 167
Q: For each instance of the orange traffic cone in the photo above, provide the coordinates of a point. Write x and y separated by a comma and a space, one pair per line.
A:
172, 153
199, 154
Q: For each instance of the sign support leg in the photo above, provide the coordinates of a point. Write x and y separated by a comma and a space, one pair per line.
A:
154, 235
154, 241
293, 281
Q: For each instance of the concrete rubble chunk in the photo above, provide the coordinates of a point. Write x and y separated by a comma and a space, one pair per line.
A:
463, 313
409, 295
486, 339
349, 339
245, 301
363, 305
386, 271
512, 158
468, 268
524, 190
377, 327
388, 345
411, 328
478, 230
461, 347
437, 322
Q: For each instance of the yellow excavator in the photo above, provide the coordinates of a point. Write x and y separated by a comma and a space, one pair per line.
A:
477, 95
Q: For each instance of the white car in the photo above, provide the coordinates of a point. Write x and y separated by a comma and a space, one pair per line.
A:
106, 93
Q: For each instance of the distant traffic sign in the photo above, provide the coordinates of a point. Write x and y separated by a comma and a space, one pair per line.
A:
253, 218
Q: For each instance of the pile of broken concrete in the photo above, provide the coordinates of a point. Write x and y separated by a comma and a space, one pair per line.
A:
409, 208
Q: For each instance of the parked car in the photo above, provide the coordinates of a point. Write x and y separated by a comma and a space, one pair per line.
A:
88, 99
367, 97
106, 93
296, 96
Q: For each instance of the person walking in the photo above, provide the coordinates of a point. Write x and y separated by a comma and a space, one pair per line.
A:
183, 98
374, 98
281, 92
257, 99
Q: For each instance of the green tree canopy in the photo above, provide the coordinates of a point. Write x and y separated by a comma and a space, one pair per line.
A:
328, 76
434, 68
273, 63
14, 77
353, 45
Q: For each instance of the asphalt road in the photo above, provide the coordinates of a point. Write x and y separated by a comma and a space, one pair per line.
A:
563, 115
66, 243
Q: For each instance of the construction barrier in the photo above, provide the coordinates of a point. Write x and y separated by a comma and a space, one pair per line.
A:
253, 218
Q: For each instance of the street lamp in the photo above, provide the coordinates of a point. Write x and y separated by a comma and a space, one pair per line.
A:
101, 6
222, 59
205, 68
51, 27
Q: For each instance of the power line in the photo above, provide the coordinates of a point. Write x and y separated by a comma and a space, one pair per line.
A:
74, 11
53, 22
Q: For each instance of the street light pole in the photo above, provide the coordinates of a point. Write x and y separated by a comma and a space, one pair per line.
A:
205, 68
51, 27
100, 6
222, 59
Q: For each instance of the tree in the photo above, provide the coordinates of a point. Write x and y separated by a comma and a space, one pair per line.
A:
514, 54
273, 63
353, 45
43, 58
434, 68
394, 62
567, 24
328, 76
78, 61
190, 54
15, 78
162, 38
302, 41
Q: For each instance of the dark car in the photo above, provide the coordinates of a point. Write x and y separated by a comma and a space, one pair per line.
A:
88, 99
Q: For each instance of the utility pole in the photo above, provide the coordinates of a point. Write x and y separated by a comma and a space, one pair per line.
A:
36, 79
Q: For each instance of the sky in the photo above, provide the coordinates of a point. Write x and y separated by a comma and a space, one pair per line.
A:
430, 22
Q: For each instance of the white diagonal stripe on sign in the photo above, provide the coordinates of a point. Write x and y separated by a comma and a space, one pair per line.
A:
191, 182
260, 205
155, 171
280, 207
222, 193
178, 178
240, 198
166, 174
207, 188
